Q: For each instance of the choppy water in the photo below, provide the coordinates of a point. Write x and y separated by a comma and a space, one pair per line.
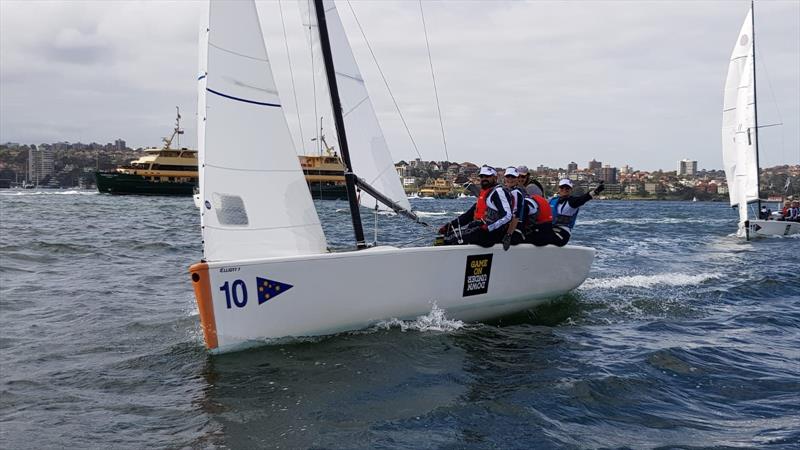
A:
683, 336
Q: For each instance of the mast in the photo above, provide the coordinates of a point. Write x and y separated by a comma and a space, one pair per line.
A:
336, 104
755, 103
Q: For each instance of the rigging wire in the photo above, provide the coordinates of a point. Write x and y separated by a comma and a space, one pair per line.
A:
291, 76
763, 62
383, 77
313, 76
433, 77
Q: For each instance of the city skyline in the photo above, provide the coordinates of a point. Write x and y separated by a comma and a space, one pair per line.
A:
536, 82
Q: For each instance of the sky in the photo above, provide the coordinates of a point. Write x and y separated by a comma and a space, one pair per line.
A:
537, 82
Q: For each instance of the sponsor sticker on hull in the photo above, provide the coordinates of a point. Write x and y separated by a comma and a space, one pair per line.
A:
476, 276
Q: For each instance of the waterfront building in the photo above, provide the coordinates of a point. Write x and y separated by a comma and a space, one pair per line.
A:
687, 167
595, 165
608, 174
40, 163
654, 188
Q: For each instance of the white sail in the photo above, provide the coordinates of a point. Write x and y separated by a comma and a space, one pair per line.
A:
256, 201
738, 123
369, 154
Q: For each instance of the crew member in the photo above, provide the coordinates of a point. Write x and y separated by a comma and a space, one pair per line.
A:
530, 185
486, 222
514, 234
565, 208
794, 212
537, 226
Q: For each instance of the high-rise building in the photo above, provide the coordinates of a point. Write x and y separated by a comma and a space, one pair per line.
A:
608, 174
594, 165
119, 145
687, 167
40, 164
572, 167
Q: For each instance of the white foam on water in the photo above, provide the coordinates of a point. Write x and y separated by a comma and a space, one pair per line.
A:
429, 213
433, 321
646, 281
53, 192
653, 220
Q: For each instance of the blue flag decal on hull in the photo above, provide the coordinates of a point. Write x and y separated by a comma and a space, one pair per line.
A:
268, 289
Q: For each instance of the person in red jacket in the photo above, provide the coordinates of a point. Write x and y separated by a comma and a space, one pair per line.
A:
536, 215
486, 222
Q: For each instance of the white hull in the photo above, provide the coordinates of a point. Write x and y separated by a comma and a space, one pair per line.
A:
334, 292
765, 228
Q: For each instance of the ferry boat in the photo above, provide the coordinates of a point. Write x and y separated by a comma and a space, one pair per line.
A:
173, 171
324, 174
161, 171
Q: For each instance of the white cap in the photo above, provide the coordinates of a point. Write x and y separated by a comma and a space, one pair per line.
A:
522, 170
565, 182
488, 171
511, 172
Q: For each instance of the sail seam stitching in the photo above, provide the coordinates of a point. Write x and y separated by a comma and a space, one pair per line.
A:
238, 54
251, 170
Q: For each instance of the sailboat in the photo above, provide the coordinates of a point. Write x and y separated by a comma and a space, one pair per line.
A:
740, 137
266, 272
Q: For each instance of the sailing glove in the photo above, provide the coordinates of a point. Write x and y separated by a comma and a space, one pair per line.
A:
506, 242
600, 188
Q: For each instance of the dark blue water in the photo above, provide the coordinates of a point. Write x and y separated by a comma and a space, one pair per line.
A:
683, 336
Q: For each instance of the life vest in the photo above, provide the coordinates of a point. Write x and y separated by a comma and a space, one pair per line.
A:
545, 211
480, 206
482, 209
564, 215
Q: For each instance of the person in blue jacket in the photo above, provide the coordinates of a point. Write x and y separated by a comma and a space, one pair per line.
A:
565, 209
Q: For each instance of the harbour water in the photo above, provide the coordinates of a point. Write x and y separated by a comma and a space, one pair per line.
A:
683, 336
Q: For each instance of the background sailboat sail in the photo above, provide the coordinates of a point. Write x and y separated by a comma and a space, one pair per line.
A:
255, 200
739, 150
369, 153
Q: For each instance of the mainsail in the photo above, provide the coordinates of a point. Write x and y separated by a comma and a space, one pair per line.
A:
256, 202
739, 147
369, 153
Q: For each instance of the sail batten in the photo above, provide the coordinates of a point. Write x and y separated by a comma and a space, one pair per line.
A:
256, 200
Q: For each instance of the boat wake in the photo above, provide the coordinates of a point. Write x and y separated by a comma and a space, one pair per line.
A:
647, 281
433, 321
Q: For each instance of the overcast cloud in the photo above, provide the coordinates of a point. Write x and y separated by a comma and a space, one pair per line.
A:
624, 82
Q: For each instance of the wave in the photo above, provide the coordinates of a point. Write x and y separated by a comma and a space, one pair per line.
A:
433, 321
654, 220
53, 192
647, 281
430, 213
